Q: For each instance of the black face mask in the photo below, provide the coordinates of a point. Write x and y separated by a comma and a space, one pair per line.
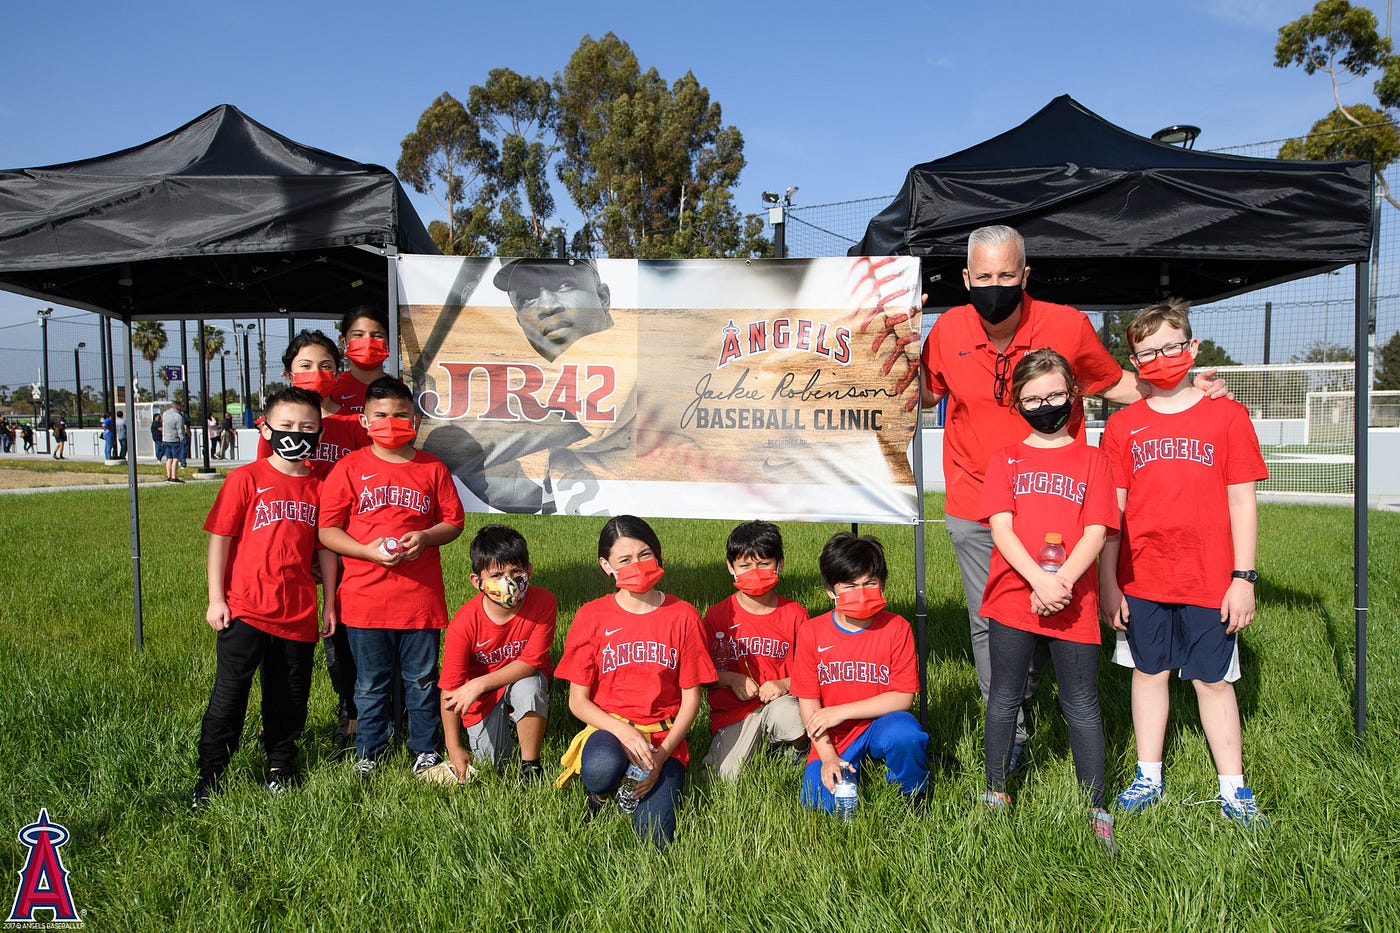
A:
1047, 419
995, 303
293, 445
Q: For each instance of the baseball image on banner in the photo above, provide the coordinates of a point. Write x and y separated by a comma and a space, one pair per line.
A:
686, 388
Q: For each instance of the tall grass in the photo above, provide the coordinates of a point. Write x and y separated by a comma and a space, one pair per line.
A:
104, 738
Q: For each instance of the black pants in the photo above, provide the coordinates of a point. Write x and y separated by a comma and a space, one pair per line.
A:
1076, 675
285, 667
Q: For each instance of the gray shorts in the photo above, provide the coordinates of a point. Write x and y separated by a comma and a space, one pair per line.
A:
493, 738
732, 746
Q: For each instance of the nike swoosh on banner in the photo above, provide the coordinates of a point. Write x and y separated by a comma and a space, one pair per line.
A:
611, 632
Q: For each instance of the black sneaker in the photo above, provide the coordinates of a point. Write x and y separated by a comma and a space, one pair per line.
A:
1017, 761
206, 787
280, 780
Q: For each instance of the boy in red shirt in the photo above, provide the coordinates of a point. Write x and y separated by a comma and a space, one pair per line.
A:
495, 660
854, 674
311, 362
1180, 581
263, 527
751, 635
386, 509
364, 336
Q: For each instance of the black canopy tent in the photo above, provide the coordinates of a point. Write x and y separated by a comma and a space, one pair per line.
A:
222, 217
1114, 220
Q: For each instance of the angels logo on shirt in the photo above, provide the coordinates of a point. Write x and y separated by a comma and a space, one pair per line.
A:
507, 652
638, 652
852, 672
734, 649
278, 510
1172, 448
378, 497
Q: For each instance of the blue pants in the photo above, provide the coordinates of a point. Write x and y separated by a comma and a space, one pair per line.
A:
894, 738
375, 650
603, 766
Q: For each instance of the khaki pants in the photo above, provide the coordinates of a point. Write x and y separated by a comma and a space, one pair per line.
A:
732, 746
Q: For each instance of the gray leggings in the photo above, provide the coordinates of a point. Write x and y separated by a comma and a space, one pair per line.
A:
1076, 674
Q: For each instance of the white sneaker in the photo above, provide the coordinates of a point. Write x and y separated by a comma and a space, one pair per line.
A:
426, 760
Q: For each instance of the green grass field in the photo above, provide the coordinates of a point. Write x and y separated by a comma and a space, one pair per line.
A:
104, 738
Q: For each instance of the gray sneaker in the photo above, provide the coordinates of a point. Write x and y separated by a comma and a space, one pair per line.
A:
365, 766
426, 760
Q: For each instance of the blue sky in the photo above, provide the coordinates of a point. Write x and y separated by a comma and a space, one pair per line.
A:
839, 99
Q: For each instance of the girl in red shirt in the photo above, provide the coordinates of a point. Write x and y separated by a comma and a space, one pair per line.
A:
636, 663
1048, 489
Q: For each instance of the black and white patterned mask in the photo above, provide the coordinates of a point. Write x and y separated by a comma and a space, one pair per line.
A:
294, 445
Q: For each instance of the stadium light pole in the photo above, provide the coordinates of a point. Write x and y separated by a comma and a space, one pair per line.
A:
1178, 134
44, 315
223, 381
777, 216
78, 379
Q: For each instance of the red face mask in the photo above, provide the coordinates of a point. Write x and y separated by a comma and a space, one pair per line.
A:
320, 381
1165, 372
860, 602
639, 576
367, 352
757, 581
392, 433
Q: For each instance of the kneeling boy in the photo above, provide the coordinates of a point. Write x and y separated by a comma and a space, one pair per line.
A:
751, 635
495, 659
854, 673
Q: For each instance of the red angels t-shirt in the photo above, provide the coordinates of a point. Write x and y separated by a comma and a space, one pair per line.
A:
370, 498
1176, 468
757, 645
271, 518
349, 394
340, 434
1058, 489
835, 666
474, 646
636, 665
960, 364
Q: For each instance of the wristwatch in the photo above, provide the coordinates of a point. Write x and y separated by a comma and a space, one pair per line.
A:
1249, 576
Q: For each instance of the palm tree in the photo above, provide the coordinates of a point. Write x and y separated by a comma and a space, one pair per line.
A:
149, 337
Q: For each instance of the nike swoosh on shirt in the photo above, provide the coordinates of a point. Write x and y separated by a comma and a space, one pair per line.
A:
367, 476
827, 648
483, 644
263, 489
1135, 430
964, 352
611, 632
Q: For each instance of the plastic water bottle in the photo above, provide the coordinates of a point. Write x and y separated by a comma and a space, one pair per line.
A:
390, 547
1052, 553
627, 794
845, 798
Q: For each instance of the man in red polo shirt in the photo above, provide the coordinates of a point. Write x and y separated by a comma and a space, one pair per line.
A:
968, 358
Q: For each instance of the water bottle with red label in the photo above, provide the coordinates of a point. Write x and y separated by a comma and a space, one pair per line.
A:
1052, 553
390, 547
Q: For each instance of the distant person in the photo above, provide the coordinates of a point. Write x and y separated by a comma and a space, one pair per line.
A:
59, 427
364, 337
750, 635
7, 435
496, 661
26, 434
109, 437
261, 628
968, 359
120, 424
1181, 580
156, 436
172, 435
226, 437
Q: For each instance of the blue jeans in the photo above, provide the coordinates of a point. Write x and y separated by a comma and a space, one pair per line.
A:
603, 766
375, 650
894, 738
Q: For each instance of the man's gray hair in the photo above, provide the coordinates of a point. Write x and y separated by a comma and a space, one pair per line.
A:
994, 236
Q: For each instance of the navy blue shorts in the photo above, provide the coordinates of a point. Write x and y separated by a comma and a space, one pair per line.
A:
1174, 636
